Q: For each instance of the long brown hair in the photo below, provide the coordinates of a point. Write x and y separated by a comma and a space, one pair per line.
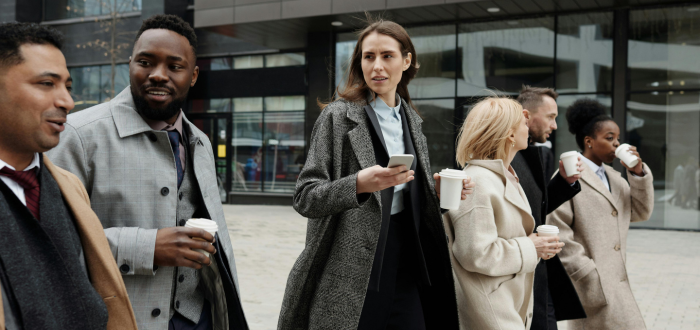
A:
355, 88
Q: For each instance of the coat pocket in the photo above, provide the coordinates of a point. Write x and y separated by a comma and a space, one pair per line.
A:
589, 286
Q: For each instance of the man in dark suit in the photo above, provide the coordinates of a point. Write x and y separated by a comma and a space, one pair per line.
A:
552, 287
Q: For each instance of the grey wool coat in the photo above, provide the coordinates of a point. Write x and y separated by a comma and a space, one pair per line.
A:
327, 284
594, 226
129, 172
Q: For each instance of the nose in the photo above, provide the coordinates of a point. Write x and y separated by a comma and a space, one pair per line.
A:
616, 143
158, 74
554, 125
378, 65
64, 100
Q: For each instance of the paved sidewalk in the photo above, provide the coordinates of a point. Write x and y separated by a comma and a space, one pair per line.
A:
664, 267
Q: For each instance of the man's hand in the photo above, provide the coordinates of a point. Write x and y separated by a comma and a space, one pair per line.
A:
378, 178
546, 246
638, 169
468, 186
572, 179
174, 247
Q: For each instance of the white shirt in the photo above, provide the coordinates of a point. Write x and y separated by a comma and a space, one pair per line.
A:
598, 170
389, 119
12, 184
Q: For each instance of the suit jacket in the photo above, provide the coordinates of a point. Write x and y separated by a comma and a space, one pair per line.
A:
493, 259
550, 275
594, 226
103, 272
129, 172
327, 284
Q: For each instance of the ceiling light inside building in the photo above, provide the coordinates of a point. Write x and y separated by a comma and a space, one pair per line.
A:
694, 9
337, 23
493, 9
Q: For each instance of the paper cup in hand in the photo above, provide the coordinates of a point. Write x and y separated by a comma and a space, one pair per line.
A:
570, 159
623, 152
206, 224
548, 231
451, 186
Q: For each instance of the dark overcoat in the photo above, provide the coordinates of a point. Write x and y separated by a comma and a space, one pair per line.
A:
544, 197
327, 284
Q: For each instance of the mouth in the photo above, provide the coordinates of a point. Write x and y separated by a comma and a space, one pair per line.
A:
158, 94
379, 79
57, 124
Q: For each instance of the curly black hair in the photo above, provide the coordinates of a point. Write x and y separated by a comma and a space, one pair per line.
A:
14, 34
172, 23
584, 118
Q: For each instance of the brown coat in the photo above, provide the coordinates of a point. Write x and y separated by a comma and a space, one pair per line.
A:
103, 271
594, 226
492, 258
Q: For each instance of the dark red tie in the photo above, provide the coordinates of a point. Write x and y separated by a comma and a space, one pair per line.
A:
28, 181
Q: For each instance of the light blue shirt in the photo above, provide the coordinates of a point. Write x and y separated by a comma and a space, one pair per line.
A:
598, 170
392, 130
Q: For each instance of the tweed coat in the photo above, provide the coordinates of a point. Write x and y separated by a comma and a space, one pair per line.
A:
103, 272
129, 172
493, 259
327, 285
594, 226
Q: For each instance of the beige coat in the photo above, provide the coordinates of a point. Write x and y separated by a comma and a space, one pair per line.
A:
104, 274
493, 260
594, 226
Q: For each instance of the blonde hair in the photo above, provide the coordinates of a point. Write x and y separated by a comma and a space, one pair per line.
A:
485, 132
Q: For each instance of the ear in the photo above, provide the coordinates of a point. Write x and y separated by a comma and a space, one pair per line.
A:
129, 59
195, 75
407, 61
526, 113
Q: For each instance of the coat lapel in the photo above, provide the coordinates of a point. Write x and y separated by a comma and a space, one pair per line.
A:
614, 188
375, 125
590, 178
419, 141
361, 141
126, 119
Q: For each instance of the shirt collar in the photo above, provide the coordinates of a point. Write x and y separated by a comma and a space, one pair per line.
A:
596, 169
383, 110
34, 164
160, 125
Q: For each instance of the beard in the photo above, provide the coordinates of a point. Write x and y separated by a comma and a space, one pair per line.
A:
164, 113
541, 138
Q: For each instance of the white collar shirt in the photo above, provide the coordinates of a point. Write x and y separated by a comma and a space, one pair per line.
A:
598, 170
389, 119
12, 184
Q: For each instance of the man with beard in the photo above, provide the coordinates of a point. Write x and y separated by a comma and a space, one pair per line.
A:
552, 287
148, 170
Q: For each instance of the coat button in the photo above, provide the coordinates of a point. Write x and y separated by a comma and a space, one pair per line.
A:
177, 304
124, 268
152, 136
614, 213
164, 191
155, 312
179, 195
182, 222
181, 278
617, 247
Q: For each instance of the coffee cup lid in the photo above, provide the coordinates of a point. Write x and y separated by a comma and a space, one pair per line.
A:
205, 224
568, 153
548, 229
454, 174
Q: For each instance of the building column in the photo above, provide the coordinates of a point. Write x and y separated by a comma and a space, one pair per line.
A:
320, 77
620, 77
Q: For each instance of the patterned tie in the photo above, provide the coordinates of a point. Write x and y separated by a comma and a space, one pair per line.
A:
174, 138
30, 183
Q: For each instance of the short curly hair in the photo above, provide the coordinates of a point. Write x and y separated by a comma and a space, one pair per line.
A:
14, 34
172, 23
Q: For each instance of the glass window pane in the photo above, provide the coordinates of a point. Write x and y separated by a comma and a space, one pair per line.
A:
436, 48
248, 62
62, 9
504, 55
344, 47
439, 127
221, 63
284, 150
563, 139
247, 104
287, 59
584, 53
247, 151
664, 44
665, 127
285, 103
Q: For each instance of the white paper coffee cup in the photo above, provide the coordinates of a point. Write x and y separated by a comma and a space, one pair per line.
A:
206, 224
570, 158
626, 156
548, 231
451, 188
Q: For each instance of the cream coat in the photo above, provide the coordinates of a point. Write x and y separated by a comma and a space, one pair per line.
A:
493, 260
594, 226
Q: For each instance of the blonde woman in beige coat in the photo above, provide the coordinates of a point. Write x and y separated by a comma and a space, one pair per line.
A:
595, 222
493, 250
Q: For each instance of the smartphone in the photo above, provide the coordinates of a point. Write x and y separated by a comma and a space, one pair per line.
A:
398, 160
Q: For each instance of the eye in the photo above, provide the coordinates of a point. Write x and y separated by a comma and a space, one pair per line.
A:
143, 62
47, 83
175, 67
368, 56
388, 56
70, 89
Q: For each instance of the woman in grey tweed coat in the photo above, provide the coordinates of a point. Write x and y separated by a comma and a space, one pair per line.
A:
372, 260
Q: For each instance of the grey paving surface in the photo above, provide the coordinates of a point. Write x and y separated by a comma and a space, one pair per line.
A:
663, 266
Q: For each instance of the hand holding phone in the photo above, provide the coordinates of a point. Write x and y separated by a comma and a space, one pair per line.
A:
399, 159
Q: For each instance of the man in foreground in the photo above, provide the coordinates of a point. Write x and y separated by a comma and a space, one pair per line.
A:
552, 287
148, 170
56, 269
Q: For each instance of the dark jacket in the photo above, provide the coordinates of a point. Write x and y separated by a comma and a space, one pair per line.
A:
327, 284
543, 198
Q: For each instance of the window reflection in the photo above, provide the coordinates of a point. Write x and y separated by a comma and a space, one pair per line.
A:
439, 127
504, 55
92, 85
436, 47
284, 150
62, 9
287, 59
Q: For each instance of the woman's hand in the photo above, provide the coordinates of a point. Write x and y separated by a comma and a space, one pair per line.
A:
638, 169
547, 246
467, 186
378, 178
